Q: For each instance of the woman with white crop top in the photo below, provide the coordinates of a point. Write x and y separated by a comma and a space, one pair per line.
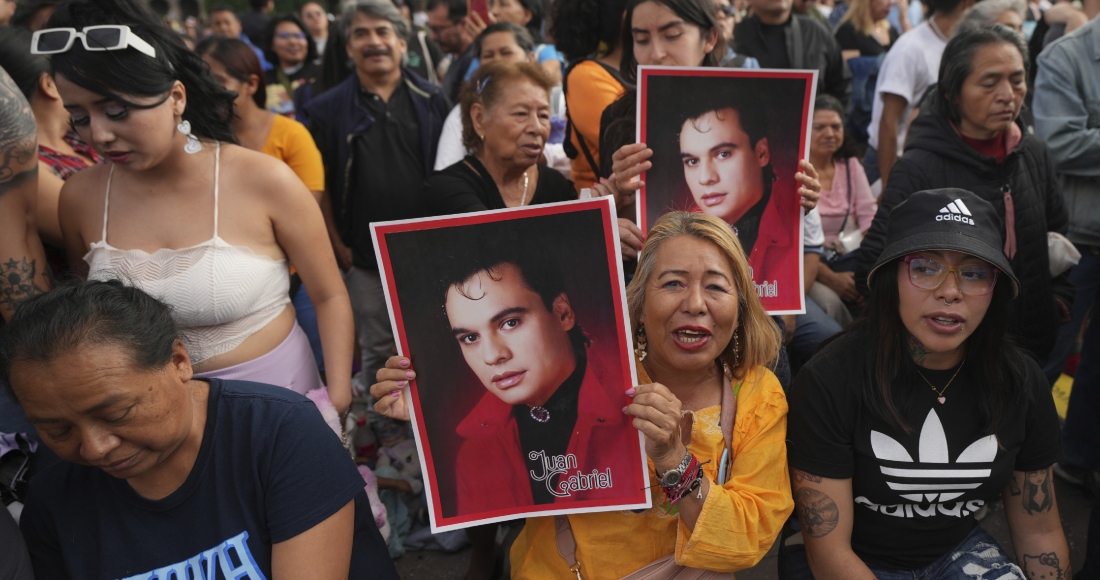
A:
183, 212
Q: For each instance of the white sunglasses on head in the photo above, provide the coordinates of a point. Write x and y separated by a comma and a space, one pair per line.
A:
95, 38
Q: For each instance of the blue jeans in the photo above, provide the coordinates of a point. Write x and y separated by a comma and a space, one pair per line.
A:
810, 330
870, 165
977, 557
1080, 434
307, 319
1086, 280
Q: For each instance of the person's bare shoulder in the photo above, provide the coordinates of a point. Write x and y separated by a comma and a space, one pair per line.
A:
261, 176
18, 137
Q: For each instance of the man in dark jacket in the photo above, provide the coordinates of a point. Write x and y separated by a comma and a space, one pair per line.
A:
377, 132
779, 39
936, 156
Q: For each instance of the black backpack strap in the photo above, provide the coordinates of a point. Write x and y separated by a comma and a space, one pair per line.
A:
570, 128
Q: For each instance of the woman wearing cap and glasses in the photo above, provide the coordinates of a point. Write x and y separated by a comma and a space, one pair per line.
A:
184, 213
906, 426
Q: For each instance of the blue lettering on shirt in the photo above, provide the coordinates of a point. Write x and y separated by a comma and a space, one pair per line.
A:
205, 566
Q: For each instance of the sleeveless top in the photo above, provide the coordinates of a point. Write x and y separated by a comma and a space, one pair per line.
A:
220, 294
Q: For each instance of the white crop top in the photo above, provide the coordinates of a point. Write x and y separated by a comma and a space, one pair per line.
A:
220, 294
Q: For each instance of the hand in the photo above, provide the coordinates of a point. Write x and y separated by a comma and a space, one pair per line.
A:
844, 284
810, 189
475, 25
789, 324
630, 239
656, 413
609, 186
344, 257
392, 381
628, 163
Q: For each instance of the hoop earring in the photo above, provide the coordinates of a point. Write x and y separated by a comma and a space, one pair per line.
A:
640, 343
193, 146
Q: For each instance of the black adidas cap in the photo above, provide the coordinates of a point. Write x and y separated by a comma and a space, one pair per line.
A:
945, 219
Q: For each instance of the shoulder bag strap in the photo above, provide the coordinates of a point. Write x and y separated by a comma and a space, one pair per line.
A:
567, 544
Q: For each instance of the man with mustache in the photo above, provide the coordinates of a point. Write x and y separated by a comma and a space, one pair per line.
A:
507, 307
377, 132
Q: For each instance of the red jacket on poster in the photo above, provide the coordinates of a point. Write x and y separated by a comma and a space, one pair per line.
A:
492, 474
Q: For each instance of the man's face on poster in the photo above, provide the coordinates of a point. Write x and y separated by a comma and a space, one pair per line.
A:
519, 349
723, 169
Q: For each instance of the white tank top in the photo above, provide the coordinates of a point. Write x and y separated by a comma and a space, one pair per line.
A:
220, 294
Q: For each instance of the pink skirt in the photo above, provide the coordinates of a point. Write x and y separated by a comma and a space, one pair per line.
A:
290, 365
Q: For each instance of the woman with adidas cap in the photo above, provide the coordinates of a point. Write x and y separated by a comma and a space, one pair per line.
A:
924, 412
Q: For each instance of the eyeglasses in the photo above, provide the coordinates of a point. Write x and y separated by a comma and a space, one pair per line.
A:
95, 38
972, 279
290, 35
727, 11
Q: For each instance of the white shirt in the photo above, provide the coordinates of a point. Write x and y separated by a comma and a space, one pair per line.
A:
813, 236
911, 66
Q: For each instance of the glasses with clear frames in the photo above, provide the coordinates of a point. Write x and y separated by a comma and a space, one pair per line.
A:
972, 279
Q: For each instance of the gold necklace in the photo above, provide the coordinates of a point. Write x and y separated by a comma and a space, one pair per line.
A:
939, 393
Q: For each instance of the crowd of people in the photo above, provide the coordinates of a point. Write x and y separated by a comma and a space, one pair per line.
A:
185, 210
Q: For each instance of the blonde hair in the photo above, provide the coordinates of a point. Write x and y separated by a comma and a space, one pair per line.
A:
859, 14
756, 332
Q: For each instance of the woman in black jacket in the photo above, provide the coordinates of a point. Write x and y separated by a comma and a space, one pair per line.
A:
968, 137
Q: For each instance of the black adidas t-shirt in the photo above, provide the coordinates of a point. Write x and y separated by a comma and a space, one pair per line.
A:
915, 493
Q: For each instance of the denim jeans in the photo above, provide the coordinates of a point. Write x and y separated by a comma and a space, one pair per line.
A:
977, 557
307, 319
1080, 435
870, 165
1085, 277
810, 330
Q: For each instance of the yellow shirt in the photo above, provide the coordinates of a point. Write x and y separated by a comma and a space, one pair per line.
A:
291, 142
739, 522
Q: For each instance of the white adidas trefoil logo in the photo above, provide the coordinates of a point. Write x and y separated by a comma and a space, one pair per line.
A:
955, 211
932, 479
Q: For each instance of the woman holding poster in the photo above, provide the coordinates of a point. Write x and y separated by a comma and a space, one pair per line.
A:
702, 343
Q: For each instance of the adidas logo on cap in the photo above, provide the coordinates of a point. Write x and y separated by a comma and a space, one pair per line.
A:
955, 211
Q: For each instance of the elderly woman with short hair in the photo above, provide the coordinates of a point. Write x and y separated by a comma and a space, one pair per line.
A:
505, 122
165, 474
968, 137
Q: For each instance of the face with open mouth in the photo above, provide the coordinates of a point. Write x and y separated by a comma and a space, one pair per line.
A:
721, 166
92, 407
517, 125
691, 306
517, 347
941, 319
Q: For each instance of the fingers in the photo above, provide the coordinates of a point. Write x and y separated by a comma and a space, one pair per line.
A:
807, 168
629, 162
810, 189
630, 239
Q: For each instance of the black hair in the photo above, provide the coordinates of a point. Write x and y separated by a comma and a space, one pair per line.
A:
115, 73
24, 68
88, 313
537, 8
752, 113
221, 8
521, 34
701, 13
587, 28
269, 39
847, 147
541, 272
941, 7
1000, 373
456, 9
27, 10
958, 63
239, 61
335, 64
258, 4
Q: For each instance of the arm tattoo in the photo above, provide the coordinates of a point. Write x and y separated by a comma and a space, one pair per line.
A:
916, 349
1038, 495
18, 136
817, 511
18, 281
1046, 565
800, 476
